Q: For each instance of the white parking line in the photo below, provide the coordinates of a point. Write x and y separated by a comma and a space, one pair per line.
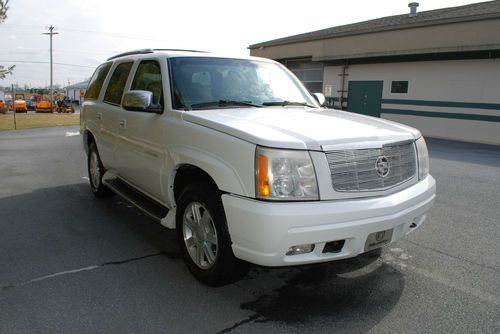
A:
71, 134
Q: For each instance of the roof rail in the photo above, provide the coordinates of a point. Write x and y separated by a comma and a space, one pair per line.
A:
135, 52
144, 51
179, 50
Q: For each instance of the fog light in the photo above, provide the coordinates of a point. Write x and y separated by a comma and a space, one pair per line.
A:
300, 249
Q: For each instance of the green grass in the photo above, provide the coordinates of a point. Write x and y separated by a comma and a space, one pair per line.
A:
30, 121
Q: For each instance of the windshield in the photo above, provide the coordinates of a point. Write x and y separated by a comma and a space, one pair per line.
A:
207, 83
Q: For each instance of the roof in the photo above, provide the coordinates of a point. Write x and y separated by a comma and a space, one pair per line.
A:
79, 85
473, 12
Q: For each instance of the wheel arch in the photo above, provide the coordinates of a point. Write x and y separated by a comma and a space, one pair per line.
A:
227, 174
88, 138
186, 174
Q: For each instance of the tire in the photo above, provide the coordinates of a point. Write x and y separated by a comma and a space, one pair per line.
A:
204, 238
96, 171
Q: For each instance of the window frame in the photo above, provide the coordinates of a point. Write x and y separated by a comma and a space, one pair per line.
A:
110, 76
133, 74
104, 81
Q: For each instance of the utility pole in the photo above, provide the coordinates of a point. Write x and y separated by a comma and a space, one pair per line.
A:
13, 106
51, 33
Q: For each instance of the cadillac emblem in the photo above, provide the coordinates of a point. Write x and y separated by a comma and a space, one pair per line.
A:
382, 166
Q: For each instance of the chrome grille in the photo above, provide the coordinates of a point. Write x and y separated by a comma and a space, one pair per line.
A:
355, 170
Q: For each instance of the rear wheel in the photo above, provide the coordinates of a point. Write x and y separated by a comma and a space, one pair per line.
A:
96, 171
204, 238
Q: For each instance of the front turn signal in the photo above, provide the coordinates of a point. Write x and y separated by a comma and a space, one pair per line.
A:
263, 176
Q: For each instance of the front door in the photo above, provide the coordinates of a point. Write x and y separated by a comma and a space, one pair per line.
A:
365, 97
141, 142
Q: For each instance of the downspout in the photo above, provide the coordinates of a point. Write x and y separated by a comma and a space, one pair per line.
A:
345, 66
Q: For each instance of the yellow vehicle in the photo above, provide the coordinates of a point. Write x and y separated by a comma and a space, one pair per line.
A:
43, 106
20, 105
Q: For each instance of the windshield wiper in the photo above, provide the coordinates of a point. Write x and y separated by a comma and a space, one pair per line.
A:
287, 103
224, 103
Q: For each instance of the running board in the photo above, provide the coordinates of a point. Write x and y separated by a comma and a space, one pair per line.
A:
143, 203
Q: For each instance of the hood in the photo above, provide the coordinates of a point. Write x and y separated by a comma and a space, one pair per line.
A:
302, 127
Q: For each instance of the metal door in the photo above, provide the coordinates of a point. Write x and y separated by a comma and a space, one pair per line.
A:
365, 97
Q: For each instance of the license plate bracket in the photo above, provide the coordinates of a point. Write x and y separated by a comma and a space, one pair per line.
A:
378, 239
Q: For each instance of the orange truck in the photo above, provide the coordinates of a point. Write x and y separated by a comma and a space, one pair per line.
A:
43, 106
20, 105
3, 106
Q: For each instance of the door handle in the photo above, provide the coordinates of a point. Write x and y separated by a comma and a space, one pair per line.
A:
98, 115
123, 124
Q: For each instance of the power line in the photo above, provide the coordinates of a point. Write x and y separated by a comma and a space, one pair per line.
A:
110, 34
44, 62
114, 35
23, 49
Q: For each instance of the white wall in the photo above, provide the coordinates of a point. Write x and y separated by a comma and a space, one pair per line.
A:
74, 94
476, 81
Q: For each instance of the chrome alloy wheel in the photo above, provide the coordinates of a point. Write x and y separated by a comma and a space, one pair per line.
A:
94, 169
200, 235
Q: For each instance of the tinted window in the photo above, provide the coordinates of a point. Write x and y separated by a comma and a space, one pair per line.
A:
97, 80
116, 84
399, 87
148, 77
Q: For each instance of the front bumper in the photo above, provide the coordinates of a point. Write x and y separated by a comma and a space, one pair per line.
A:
262, 232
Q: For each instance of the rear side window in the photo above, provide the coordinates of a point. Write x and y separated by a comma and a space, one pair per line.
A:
97, 80
116, 84
148, 77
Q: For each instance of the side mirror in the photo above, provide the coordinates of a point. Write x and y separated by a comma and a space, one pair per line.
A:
140, 100
320, 98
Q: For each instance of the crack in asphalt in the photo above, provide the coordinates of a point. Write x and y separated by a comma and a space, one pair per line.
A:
250, 318
452, 256
74, 271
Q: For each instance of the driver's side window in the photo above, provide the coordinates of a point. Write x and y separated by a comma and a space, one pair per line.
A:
148, 77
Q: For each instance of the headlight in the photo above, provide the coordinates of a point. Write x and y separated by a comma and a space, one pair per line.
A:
285, 175
423, 158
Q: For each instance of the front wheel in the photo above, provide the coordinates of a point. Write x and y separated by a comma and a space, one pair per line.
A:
204, 238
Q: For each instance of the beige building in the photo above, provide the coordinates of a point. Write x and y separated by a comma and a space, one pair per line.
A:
438, 70
76, 91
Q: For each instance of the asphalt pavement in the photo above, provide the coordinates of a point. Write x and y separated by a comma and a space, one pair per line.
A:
72, 263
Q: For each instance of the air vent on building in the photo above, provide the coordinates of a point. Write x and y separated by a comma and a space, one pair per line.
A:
413, 9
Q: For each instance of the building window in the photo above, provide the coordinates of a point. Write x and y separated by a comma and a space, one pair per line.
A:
400, 87
308, 72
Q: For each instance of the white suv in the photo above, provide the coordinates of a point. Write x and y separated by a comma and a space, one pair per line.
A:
246, 165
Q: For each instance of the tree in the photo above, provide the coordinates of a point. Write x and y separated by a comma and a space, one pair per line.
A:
4, 6
6, 70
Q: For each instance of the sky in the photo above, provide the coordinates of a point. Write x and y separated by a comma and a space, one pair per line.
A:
90, 31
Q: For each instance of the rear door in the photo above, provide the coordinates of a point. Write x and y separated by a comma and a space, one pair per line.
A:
111, 110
